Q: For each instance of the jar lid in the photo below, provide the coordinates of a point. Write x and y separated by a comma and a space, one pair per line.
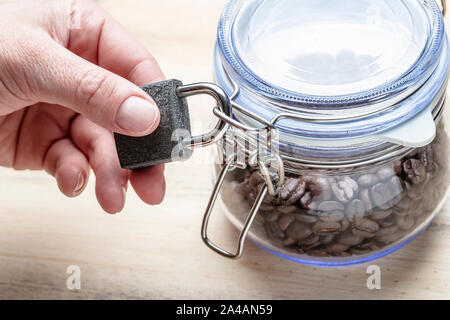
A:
360, 68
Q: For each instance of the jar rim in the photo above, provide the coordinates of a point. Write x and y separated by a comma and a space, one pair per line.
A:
416, 73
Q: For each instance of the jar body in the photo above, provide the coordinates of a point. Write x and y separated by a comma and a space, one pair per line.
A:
344, 216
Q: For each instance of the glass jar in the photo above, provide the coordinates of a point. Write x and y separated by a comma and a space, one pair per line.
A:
366, 159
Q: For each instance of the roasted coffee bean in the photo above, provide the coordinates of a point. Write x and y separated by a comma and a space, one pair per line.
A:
364, 195
365, 228
396, 186
388, 239
289, 242
285, 221
312, 239
287, 209
387, 222
292, 191
381, 196
256, 179
319, 187
273, 230
345, 224
355, 210
327, 238
323, 228
398, 167
272, 216
317, 252
344, 189
385, 173
426, 156
298, 231
386, 231
330, 206
380, 214
348, 238
311, 246
337, 247
306, 218
306, 200
405, 223
359, 251
414, 171
335, 216
367, 180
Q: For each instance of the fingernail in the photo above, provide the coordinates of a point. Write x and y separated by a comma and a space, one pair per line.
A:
137, 115
80, 183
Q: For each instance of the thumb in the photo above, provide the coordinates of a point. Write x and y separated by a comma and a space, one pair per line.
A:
101, 96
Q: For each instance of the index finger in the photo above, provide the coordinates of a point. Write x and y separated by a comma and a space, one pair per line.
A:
100, 39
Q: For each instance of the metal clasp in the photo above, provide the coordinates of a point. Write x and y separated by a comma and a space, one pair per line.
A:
253, 155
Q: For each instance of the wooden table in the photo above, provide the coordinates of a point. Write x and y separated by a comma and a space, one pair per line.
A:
156, 252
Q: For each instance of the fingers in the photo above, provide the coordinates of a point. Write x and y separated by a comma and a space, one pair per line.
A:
149, 184
69, 166
103, 41
101, 96
98, 145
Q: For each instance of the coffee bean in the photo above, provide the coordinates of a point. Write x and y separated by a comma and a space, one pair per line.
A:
306, 200
414, 171
348, 238
345, 224
317, 253
386, 231
331, 216
326, 239
405, 223
272, 216
330, 206
365, 198
311, 246
359, 251
355, 210
312, 239
380, 214
292, 191
285, 221
256, 179
273, 230
323, 228
298, 231
388, 239
319, 187
289, 242
337, 247
344, 189
306, 218
287, 209
426, 156
365, 228
367, 180
398, 169
381, 195
396, 186
387, 222
385, 173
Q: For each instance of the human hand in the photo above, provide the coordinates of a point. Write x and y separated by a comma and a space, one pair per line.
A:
64, 90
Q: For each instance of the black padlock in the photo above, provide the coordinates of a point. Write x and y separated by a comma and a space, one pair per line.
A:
166, 143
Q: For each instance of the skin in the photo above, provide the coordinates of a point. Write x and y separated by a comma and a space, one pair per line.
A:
60, 91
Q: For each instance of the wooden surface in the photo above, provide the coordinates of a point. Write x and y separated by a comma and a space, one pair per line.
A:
156, 252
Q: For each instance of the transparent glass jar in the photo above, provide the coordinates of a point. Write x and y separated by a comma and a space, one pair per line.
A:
367, 168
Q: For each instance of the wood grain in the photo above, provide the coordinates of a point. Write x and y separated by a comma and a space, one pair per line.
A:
156, 252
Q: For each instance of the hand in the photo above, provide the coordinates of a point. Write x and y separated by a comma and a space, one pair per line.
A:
64, 88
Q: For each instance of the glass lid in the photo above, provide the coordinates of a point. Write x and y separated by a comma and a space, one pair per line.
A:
331, 52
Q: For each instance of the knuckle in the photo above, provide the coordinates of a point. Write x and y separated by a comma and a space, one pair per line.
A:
94, 88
